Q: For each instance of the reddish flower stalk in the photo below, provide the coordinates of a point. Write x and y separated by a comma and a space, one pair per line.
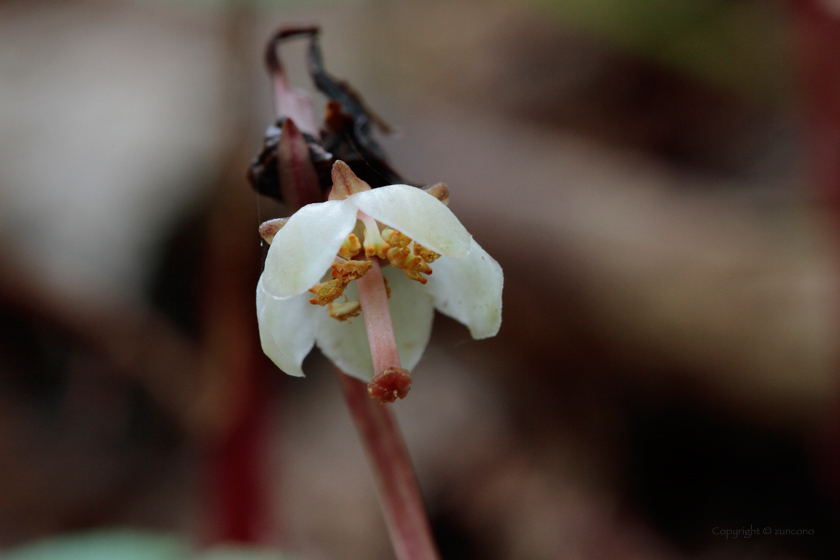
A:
243, 509
396, 483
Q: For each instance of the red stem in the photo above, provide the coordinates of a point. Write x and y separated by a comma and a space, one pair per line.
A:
243, 508
396, 482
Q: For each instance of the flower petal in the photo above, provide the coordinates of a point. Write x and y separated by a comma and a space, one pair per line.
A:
418, 215
306, 246
469, 289
345, 343
287, 329
412, 313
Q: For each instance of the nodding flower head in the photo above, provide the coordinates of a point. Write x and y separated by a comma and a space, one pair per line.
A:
308, 291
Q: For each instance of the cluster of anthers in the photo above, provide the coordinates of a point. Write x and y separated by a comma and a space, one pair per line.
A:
399, 250
391, 221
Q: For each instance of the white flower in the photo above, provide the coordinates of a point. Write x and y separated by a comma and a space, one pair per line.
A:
465, 283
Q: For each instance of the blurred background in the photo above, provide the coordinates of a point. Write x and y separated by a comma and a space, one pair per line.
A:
647, 174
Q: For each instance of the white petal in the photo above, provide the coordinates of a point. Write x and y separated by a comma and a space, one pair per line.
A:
345, 343
469, 289
287, 329
412, 313
306, 246
418, 215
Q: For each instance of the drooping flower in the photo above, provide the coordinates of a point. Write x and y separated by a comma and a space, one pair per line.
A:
434, 264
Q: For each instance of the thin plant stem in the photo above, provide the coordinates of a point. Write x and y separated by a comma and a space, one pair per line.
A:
396, 483
234, 402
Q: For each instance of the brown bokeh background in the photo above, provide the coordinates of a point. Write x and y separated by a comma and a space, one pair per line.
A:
666, 367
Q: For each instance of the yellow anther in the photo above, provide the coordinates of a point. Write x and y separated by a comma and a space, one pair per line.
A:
399, 239
400, 257
344, 273
374, 244
327, 292
411, 264
408, 255
351, 270
350, 247
395, 238
427, 255
344, 310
